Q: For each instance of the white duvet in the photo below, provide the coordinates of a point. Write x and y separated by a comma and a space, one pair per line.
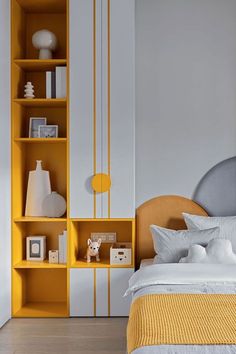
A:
184, 278
182, 274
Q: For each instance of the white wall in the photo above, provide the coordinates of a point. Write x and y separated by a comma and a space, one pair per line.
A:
185, 92
5, 235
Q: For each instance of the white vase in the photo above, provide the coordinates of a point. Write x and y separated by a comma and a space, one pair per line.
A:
39, 187
46, 42
54, 205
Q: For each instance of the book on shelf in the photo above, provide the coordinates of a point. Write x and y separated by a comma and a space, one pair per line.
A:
60, 81
62, 242
65, 245
50, 84
56, 83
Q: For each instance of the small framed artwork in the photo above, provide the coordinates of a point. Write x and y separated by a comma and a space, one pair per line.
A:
34, 124
35, 248
48, 131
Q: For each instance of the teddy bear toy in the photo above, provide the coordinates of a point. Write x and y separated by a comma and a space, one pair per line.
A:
93, 250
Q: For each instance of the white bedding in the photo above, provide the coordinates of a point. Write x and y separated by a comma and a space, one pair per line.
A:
184, 278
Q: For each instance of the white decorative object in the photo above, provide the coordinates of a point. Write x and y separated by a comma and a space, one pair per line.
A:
62, 243
54, 205
46, 42
93, 250
120, 253
39, 187
35, 248
218, 250
53, 256
29, 90
34, 124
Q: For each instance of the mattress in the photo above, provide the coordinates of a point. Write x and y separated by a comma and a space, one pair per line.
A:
183, 278
146, 262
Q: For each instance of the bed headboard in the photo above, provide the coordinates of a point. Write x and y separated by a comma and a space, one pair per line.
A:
165, 211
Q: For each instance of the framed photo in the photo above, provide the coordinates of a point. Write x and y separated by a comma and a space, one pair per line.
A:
35, 248
34, 124
48, 131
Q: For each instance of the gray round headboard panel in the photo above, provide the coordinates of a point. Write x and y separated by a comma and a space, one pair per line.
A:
216, 192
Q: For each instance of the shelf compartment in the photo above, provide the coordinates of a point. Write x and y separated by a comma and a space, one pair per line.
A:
43, 6
53, 157
39, 64
38, 265
40, 140
21, 120
38, 79
39, 293
21, 230
30, 16
41, 102
43, 310
80, 231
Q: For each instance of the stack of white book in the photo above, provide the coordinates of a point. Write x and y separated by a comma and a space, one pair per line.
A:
56, 83
62, 242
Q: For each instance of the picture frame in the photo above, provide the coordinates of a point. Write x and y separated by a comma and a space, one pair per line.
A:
36, 248
34, 123
48, 131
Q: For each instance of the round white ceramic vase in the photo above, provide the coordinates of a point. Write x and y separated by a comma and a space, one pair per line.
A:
54, 205
46, 42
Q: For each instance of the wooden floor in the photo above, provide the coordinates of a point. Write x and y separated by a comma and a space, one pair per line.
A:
64, 336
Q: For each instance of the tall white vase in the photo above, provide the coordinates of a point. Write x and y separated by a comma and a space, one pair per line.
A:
39, 187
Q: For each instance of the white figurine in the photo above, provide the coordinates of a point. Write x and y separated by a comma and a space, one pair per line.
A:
46, 42
29, 90
93, 250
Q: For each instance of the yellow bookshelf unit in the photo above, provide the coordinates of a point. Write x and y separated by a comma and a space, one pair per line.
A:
42, 289
39, 289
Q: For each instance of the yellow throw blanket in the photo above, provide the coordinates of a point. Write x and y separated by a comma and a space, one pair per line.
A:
182, 319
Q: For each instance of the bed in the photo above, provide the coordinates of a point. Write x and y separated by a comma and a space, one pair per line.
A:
179, 308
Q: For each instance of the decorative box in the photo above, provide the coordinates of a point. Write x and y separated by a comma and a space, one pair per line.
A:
35, 248
120, 253
53, 256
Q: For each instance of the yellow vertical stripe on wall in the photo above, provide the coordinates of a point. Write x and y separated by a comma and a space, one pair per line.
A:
109, 292
95, 292
94, 103
95, 73
109, 101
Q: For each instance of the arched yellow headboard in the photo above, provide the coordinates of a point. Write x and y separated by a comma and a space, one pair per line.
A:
165, 211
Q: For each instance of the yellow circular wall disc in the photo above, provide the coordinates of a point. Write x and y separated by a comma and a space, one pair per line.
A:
101, 183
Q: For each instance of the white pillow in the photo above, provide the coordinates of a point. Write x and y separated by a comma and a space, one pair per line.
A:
217, 251
171, 245
227, 225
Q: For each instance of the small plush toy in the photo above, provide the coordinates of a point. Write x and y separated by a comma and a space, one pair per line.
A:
93, 250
